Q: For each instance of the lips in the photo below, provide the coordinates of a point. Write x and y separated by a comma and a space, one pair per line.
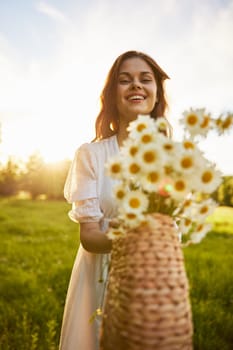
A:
136, 97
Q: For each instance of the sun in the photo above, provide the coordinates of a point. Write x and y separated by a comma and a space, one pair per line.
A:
53, 140
52, 113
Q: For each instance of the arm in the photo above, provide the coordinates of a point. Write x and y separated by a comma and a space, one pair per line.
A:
93, 240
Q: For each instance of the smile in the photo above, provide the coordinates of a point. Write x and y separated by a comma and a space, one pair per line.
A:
136, 98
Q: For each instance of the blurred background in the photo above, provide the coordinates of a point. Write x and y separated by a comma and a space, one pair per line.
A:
55, 55
54, 58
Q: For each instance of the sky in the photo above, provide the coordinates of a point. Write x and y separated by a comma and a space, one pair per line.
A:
55, 55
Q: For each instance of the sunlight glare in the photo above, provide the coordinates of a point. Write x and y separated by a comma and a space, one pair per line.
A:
58, 115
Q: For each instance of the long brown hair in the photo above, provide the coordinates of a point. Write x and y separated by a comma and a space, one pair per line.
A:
107, 120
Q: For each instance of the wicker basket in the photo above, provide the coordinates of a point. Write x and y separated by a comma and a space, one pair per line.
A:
147, 301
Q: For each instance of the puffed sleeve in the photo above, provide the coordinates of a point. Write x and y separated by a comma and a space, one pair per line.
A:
81, 187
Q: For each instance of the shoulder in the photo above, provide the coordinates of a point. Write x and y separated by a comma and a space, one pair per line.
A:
94, 154
97, 147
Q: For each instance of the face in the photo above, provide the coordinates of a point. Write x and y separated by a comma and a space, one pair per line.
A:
136, 89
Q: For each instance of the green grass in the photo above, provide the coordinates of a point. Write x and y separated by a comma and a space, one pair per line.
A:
209, 267
38, 247
37, 251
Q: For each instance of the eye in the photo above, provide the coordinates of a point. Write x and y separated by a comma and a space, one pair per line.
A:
146, 80
124, 81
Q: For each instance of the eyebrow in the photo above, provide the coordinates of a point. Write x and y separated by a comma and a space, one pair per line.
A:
142, 73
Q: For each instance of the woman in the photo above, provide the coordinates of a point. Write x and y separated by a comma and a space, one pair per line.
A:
135, 85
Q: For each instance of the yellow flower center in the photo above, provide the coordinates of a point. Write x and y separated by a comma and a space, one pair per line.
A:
134, 203
186, 162
205, 122
120, 194
162, 126
199, 227
134, 168
179, 185
117, 233
149, 156
116, 168
192, 119
188, 145
204, 210
227, 123
141, 127
133, 150
187, 203
153, 177
168, 170
146, 138
131, 216
207, 177
168, 146
187, 222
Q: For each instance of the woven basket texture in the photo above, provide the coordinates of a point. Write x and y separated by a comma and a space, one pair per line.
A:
147, 302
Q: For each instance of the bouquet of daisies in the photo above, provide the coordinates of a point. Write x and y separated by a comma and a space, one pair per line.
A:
155, 173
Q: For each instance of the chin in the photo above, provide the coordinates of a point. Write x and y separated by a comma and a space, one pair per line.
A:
140, 112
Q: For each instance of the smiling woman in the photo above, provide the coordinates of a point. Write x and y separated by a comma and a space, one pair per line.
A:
136, 90
135, 85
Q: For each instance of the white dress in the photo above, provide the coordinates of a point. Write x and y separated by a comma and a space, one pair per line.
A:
90, 192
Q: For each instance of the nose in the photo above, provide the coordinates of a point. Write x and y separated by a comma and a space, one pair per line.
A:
136, 84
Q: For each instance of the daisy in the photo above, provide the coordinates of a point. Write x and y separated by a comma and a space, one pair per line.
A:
150, 157
197, 237
187, 204
130, 148
151, 180
162, 124
200, 232
115, 233
224, 123
185, 224
155, 173
131, 219
204, 209
114, 168
180, 188
208, 179
187, 162
188, 145
142, 123
206, 125
227, 122
186, 207
135, 202
192, 121
168, 148
120, 191
146, 137
132, 168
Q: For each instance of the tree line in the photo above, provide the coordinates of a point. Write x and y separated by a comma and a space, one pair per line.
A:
37, 178
224, 194
34, 178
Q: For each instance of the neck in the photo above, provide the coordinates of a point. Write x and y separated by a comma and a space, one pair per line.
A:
122, 134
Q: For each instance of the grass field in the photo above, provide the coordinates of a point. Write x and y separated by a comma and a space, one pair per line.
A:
37, 250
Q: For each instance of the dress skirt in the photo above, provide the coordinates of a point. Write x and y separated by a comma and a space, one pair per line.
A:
80, 327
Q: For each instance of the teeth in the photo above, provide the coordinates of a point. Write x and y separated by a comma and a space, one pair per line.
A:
136, 97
